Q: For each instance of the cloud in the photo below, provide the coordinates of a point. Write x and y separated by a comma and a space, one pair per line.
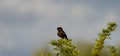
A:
26, 24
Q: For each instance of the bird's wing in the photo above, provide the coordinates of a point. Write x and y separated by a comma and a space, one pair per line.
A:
65, 35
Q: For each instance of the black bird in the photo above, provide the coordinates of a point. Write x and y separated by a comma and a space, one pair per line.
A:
61, 33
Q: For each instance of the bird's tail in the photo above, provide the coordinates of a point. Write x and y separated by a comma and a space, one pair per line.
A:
66, 38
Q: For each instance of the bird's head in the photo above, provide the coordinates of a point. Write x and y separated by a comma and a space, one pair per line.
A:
59, 29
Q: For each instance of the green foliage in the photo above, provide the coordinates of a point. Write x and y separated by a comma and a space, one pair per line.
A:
64, 47
99, 44
113, 51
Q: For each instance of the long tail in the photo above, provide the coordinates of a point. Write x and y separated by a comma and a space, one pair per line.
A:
66, 38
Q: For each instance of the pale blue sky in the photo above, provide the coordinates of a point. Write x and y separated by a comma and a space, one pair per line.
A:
29, 24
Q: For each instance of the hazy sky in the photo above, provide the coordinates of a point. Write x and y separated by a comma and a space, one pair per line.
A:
29, 24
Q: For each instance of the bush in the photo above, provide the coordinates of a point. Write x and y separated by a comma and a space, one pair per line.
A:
63, 47
111, 26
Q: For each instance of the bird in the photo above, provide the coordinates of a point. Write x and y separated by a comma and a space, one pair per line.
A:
61, 33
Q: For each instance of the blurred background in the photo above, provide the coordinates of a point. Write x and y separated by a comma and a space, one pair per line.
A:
26, 25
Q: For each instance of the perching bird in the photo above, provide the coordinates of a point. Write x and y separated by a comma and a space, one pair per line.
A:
61, 33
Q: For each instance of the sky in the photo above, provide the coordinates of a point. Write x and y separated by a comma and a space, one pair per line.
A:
29, 24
